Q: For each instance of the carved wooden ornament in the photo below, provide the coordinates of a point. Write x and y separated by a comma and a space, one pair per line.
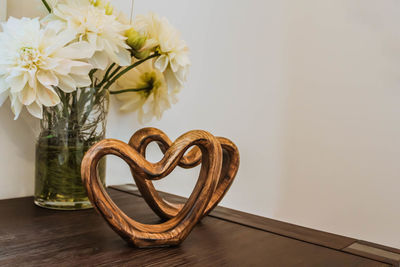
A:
219, 159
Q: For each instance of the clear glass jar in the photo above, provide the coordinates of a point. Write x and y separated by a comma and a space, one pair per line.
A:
67, 131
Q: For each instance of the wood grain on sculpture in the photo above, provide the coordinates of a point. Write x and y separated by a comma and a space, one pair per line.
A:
219, 158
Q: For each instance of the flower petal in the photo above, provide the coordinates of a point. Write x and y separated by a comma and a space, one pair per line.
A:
92, 38
123, 57
3, 97
27, 96
174, 64
47, 96
54, 37
17, 83
80, 68
47, 78
67, 84
134, 104
161, 63
181, 74
79, 50
99, 60
16, 106
36, 110
182, 59
81, 81
3, 85
64, 67
173, 83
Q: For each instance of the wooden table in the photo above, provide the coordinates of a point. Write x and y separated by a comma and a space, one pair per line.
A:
32, 236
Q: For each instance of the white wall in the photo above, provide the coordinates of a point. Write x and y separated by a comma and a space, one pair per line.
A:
309, 91
3, 10
17, 137
341, 170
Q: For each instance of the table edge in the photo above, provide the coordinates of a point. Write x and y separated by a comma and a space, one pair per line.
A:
316, 237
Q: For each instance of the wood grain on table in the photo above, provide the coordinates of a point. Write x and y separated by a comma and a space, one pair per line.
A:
32, 236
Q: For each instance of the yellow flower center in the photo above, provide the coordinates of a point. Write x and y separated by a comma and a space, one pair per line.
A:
151, 82
29, 57
108, 7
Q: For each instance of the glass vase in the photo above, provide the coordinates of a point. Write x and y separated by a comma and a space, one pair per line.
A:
68, 130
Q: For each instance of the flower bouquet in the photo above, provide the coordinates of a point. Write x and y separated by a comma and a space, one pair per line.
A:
63, 67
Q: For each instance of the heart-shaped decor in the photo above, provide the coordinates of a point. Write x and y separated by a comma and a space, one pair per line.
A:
142, 138
219, 158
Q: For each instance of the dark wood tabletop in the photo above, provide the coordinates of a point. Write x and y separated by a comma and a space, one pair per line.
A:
32, 236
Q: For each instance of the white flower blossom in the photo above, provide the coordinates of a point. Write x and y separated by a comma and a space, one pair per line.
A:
152, 97
94, 22
35, 60
173, 61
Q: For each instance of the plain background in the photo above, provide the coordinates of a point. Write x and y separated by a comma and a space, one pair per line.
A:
309, 91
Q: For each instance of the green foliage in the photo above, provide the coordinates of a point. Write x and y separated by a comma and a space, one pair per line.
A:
68, 132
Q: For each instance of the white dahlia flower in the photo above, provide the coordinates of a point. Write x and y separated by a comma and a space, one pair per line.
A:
94, 22
145, 90
174, 60
35, 60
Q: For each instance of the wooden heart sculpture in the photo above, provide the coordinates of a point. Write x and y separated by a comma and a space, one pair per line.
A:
142, 138
219, 160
